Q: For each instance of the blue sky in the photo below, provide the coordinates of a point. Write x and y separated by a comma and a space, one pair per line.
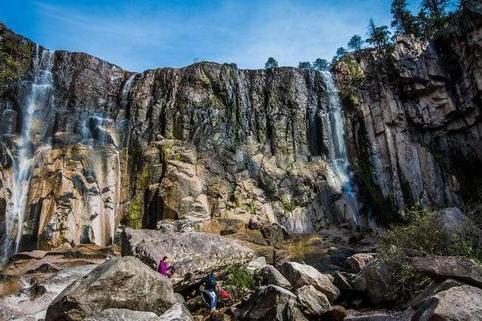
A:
143, 34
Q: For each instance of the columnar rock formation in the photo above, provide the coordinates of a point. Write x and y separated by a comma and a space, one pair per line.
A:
415, 117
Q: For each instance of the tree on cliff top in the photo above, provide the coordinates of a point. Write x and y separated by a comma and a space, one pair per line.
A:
355, 43
403, 20
271, 63
304, 65
321, 64
378, 36
433, 15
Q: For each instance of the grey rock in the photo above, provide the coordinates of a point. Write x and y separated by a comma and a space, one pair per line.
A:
272, 276
121, 283
454, 267
302, 274
193, 254
374, 280
462, 303
271, 303
312, 301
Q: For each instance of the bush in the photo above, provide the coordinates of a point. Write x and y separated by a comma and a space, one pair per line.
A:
422, 236
239, 281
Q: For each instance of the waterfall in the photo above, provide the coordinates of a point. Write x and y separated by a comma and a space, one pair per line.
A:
334, 140
37, 105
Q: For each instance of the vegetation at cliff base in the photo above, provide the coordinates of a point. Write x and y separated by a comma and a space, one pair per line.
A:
423, 235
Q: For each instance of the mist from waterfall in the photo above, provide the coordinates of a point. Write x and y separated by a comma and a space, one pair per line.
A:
334, 140
39, 100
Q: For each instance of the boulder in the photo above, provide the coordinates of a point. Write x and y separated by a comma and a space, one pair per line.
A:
358, 261
123, 315
272, 276
193, 254
457, 303
336, 313
275, 234
342, 280
178, 312
120, 283
381, 315
454, 267
374, 281
432, 290
302, 274
455, 222
271, 303
312, 301
257, 264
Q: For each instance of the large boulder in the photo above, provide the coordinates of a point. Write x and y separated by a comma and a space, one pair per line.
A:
374, 280
312, 301
178, 312
120, 283
454, 267
271, 275
456, 223
194, 254
462, 303
302, 274
271, 303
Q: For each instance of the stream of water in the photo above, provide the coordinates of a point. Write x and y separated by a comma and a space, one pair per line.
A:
334, 132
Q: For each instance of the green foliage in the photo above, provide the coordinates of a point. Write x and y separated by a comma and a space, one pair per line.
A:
340, 52
351, 77
135, 211
231, 64
321, 64
271, 63
239, 281
422, 236
304, 65
355, 43
403, 20
378, 36
288, 204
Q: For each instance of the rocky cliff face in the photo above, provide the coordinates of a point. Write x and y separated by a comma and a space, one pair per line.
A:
415, 118
87, 145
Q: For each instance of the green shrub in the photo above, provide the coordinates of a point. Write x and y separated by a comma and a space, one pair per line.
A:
239, 281
421, 236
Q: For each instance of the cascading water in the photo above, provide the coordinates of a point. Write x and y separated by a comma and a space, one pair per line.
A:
37, 105
334, 139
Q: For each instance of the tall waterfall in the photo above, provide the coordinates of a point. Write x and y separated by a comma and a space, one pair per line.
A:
35, 111
334, 139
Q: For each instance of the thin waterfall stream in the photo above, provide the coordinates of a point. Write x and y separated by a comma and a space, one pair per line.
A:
333, 127
32, 142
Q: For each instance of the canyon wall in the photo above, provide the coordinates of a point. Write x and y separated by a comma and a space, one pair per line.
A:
87, 146
415, 118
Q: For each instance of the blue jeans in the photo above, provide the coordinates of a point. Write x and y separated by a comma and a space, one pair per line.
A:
213, 299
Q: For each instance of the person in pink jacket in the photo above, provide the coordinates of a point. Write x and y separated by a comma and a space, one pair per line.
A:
165, 268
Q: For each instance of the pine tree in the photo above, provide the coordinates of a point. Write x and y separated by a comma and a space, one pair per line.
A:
355, 43
403, 20
378, 36
340, 52
271, 63
435, 13
304, 65
321, 64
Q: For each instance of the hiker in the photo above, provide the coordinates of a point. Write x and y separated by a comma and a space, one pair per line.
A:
208, 291
165, 268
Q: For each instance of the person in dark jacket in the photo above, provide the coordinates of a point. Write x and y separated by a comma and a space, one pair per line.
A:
208, 291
